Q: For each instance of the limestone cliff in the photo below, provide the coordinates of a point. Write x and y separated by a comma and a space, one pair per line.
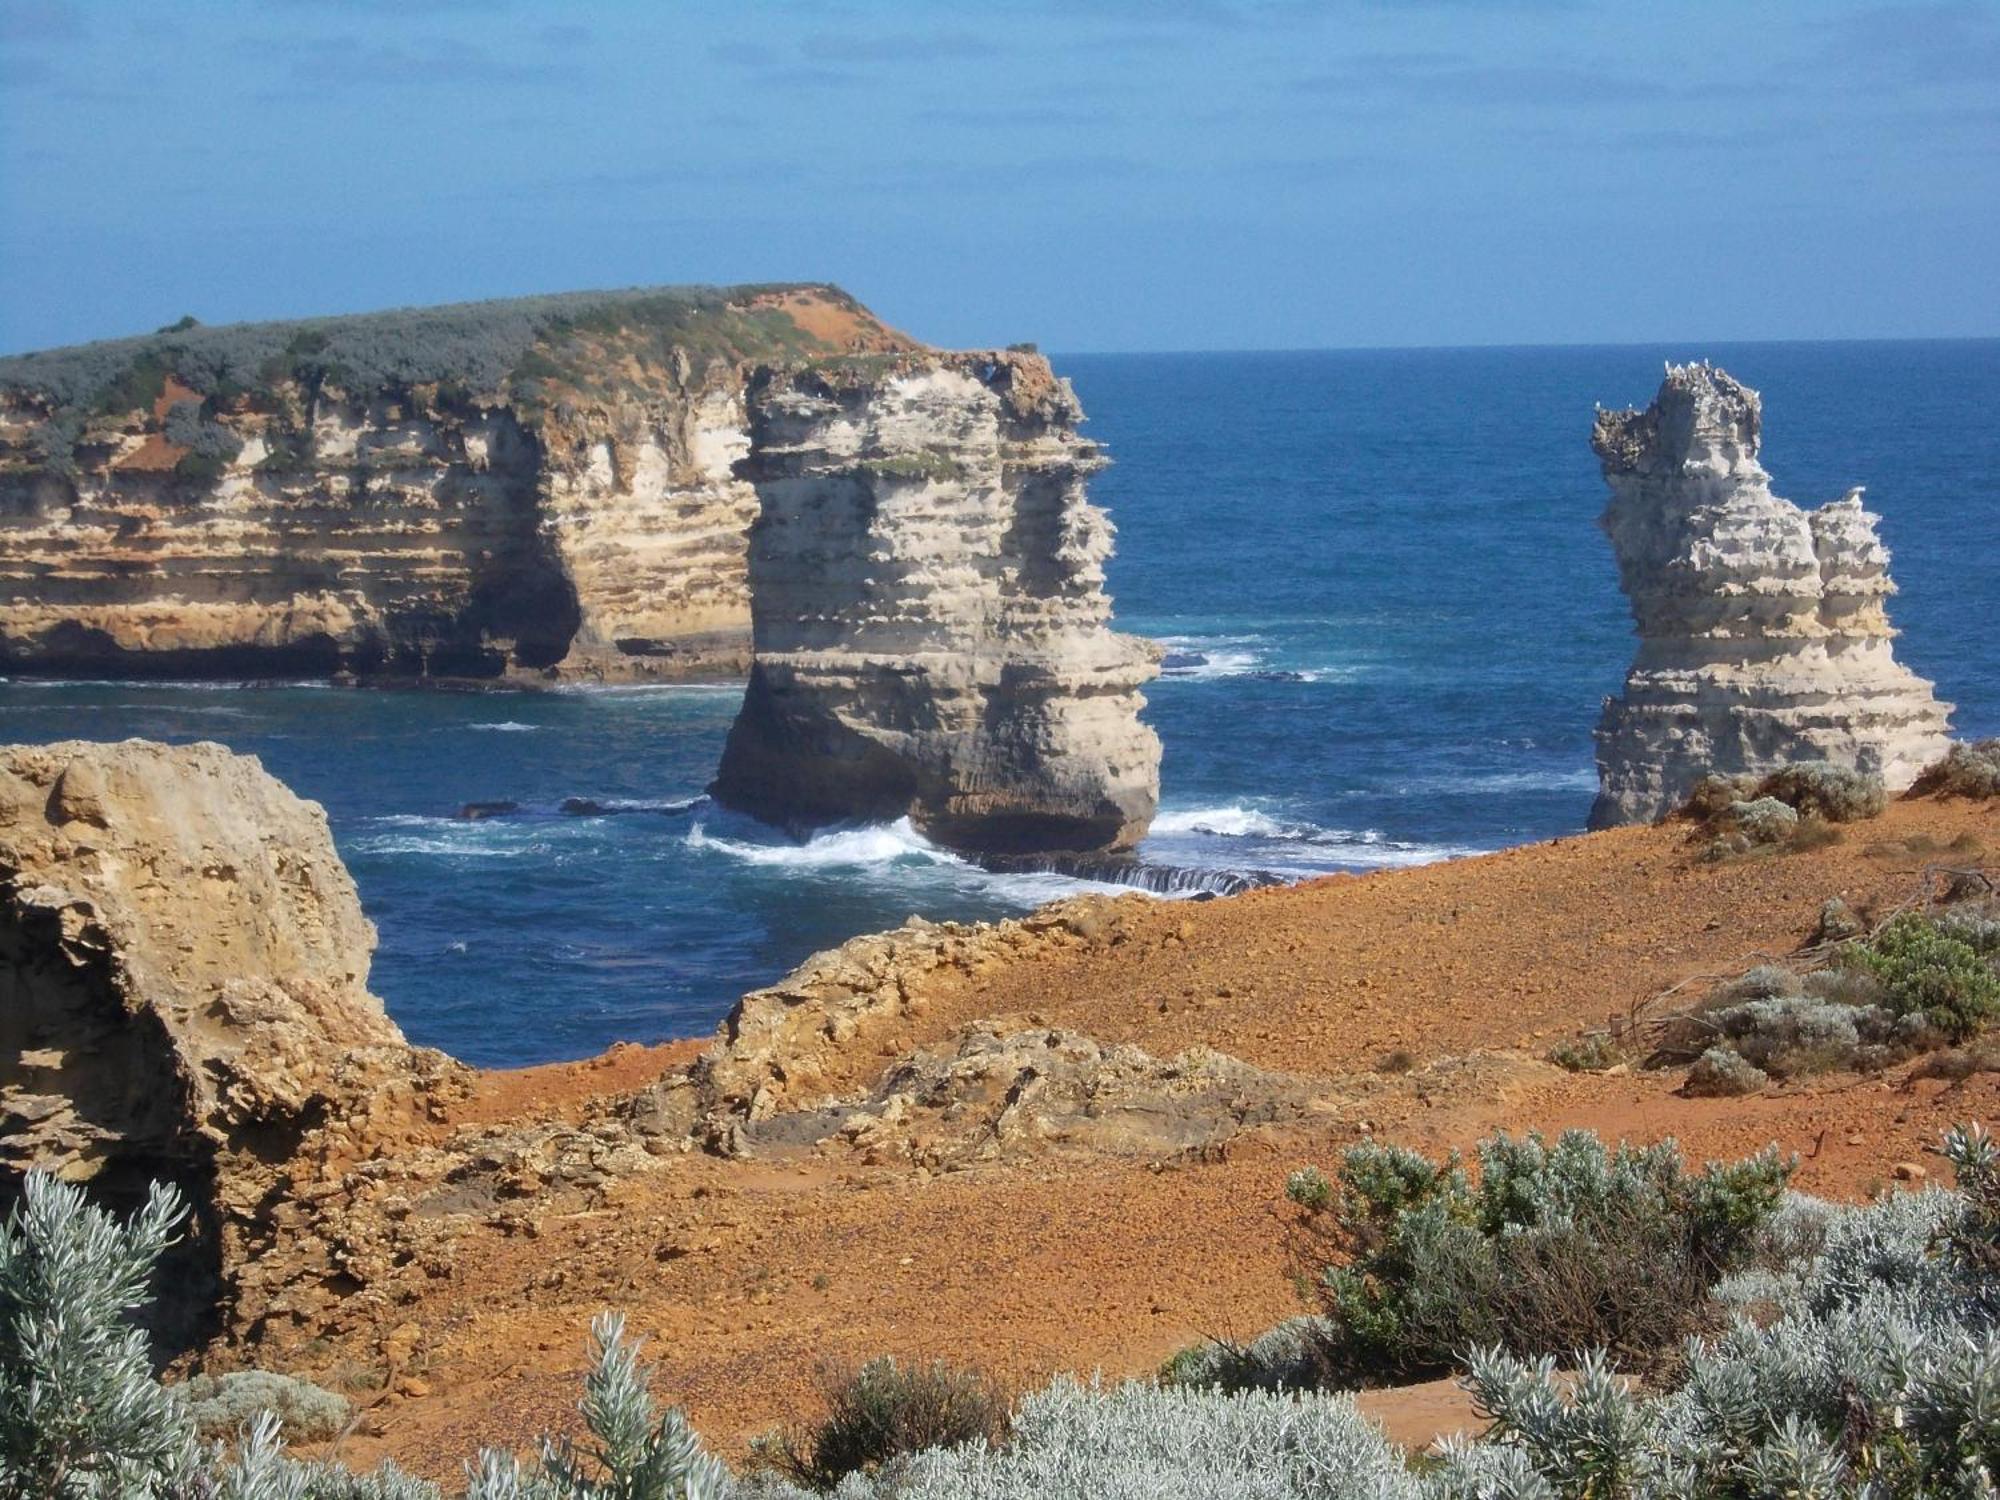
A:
1763, 637
183, 989
932, 633
534, 487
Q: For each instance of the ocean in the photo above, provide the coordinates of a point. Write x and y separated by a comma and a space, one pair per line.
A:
1391, 616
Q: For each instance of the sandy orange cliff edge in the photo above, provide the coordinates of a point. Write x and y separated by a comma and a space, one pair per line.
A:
1052, 1143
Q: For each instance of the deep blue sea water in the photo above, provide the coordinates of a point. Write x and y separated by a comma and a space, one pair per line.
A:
1382, 569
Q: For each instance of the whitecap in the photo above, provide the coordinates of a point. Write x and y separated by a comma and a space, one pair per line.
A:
1202, 666
1294, 849
507, 726
875, 844
1231, 821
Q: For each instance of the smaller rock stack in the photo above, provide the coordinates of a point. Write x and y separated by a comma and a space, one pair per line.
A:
932, 636
1763, 637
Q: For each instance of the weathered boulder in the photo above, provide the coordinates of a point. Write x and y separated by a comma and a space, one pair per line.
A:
1763, 637
183, 990
931, 632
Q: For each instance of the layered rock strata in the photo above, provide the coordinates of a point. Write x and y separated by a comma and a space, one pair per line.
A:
183, 991
540, 487
932, 635
1763, 634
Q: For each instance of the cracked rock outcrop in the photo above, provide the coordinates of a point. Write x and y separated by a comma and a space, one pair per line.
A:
931, 631
183, 993
1763, 636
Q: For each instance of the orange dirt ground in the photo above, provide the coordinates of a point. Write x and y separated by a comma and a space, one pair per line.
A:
745, 1277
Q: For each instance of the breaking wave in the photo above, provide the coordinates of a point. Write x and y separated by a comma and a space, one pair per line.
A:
875, 844
1211, 658
1234, 835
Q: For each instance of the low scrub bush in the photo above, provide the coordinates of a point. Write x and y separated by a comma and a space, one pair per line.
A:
1819, 789
1931, 968
1967, 770
1811, 789
884, 1410
1921, 982
1787, 811
1723, 1073
1074, 1441
1876, 1379
1593, 1052
1556, 1248
1283, 1358
221, 1405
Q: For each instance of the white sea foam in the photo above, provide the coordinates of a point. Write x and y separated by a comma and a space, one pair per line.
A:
876, 844
1292, 848
455, 848
1211, 658
1233, 821
1214, 663
507, 726
639, 805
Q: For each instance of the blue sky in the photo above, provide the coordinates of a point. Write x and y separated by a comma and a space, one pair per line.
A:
1091, 174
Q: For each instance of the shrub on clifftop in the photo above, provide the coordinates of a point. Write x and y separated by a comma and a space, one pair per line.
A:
1557, 1248
1934, 971
1789, 810
1967, 770
884, 1410
1861, 1361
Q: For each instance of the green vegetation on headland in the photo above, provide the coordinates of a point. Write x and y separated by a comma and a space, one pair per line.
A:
1814, 1351
533, 352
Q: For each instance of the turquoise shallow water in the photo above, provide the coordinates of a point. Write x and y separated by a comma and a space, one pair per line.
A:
1392, 615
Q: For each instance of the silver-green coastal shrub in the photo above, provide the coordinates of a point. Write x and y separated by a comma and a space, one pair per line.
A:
1141, 1442
1878, 1379
81, 1417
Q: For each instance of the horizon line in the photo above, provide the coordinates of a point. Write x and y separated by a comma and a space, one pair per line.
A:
1503, 346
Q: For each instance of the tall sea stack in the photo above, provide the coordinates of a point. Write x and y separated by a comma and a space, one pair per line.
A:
930, 627
1763, 637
